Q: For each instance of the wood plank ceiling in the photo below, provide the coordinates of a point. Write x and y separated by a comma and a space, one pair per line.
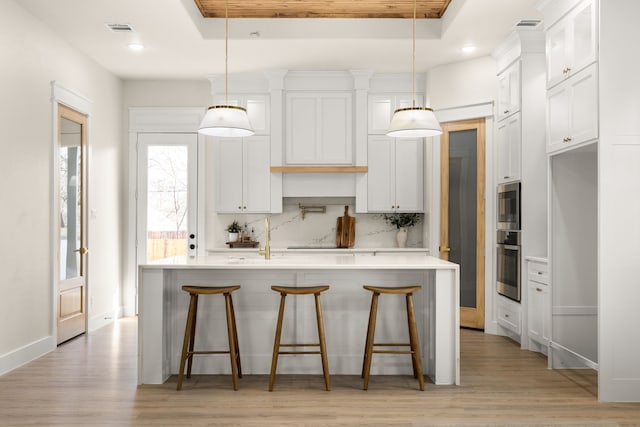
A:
322, 8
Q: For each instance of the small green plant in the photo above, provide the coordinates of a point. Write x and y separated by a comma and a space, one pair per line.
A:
234, 227
400, 220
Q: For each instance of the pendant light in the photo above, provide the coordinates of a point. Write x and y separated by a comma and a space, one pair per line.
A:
226, 120
414, 122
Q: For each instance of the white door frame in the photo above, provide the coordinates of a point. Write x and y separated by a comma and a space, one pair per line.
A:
157, 120
65, 96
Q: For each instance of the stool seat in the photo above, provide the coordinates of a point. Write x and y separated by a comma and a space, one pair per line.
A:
190, 331
302, 290
209, 290
413, 344
403, 290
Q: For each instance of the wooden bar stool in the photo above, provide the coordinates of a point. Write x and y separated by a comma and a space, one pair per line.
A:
190, 331
284, 291
413, 344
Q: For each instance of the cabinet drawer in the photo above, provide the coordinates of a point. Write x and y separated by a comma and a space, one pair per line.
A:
509, 317
538, 272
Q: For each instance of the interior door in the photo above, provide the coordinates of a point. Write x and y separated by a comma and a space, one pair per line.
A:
72, 196
462, 215
167, 195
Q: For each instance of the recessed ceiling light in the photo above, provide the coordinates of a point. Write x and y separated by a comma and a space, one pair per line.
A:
136, 47
468, 49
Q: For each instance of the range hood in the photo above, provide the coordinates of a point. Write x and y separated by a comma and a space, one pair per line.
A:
320, 181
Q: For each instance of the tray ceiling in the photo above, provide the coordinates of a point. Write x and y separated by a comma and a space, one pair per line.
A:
323, 8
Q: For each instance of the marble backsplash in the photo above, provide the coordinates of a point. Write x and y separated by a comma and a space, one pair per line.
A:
316, 229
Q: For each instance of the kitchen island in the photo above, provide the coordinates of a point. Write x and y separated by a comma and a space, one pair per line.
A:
163, 309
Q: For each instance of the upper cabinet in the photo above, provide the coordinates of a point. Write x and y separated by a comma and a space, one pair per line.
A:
395, 178
572, 111
509, 91
571, 43
509, 149
319, 128
242, 176
257, 106
381, 108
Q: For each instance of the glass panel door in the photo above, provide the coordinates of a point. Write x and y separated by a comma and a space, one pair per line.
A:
167, 196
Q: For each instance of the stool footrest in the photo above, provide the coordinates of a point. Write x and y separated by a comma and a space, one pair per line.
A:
299, 345
393, 344
299, 352
209, 352
394, 351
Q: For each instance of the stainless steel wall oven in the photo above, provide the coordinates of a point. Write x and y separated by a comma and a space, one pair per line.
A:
508, 259
509, 206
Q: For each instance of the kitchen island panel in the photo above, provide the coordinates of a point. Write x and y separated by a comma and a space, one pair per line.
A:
345, 307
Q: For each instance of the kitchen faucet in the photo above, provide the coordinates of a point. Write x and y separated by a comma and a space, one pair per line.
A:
267, 237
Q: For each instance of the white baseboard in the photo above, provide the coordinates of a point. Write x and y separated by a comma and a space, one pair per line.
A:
23, 355
103, 319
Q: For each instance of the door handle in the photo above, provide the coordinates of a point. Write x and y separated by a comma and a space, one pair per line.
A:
82, 250
445, 249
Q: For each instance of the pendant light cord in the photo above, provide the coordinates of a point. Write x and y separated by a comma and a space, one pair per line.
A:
226, 53
413, 81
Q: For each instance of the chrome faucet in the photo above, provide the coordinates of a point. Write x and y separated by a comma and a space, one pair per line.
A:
267, 236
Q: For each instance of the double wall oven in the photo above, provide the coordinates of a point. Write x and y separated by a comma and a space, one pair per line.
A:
508, 241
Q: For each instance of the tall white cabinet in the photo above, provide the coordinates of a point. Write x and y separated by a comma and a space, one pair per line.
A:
520, 155
594, 208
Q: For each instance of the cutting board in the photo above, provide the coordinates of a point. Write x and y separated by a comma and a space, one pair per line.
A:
346, 230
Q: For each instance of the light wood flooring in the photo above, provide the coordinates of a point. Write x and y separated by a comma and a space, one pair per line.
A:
91, 381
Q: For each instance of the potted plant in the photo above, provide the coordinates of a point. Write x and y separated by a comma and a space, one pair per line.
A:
401, 221
233, 229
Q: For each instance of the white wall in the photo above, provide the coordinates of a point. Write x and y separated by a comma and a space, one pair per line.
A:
462, 83
32, 57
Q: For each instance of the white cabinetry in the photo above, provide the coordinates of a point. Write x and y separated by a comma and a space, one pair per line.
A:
571, 43
242, 174
257, 109
539, 304
319, 128
509, 149
382, 106
509, 91
572, 111
395, 178
508, 315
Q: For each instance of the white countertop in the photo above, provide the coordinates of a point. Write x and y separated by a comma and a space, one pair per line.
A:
316, 261
331, 250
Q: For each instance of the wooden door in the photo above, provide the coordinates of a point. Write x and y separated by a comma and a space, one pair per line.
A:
462, 212
72, 196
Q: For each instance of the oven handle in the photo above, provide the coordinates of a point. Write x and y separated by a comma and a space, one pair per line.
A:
510, 247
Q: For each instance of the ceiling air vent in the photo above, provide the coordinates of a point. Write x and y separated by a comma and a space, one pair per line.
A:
120, 28
528, 23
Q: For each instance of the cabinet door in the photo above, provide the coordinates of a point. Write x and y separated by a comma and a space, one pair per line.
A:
509, 149
538, 309
228, 154
319, 128
509, 91
571, 43
257, 109
572, 111
381, 176
582, 41
256, 176
381, 108
409, 175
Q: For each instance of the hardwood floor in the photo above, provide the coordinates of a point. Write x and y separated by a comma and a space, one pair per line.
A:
92, 381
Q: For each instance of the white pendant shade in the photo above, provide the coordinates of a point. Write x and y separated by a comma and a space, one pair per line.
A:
414, 122
226, 120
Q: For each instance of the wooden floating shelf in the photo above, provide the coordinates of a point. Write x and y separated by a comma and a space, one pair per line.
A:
319, 169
